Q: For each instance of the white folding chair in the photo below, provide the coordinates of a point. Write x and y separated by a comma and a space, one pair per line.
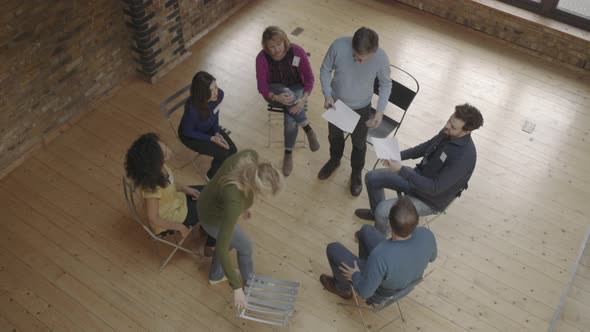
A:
269, 301
130, 192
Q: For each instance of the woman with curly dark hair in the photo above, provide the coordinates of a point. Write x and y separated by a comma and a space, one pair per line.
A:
199, 128
169, 205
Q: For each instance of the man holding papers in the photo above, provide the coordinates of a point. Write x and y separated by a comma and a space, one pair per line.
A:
448, 160
355, 63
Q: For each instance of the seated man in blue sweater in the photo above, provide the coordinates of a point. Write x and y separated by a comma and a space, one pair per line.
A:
384, 266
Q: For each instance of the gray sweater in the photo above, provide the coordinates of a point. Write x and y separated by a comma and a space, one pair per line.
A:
353, 82
392, 265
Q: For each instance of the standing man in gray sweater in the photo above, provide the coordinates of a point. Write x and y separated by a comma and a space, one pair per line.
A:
355, 63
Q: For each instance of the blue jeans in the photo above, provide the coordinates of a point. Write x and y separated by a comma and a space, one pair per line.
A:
337, 254
243, 246
290, 121
377, 181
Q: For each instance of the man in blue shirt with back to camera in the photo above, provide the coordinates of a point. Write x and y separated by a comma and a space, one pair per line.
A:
384, 266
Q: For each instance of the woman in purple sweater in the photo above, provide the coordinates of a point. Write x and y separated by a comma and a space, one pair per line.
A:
285, 80
199, 128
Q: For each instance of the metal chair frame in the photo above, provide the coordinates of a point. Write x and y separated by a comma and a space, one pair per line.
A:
390, 125
431, 217
269, 301
169, 111
129, 191
395, 298
273, 115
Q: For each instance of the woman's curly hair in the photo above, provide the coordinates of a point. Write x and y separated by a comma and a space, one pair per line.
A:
144, 162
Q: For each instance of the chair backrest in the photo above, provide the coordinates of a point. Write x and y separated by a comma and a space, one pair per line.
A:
401, 95
400, 294
404, 88
129, 191
173, 103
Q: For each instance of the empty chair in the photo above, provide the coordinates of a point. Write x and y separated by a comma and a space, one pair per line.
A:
270, 301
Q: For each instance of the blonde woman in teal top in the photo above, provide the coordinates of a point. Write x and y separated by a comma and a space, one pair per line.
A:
226, 199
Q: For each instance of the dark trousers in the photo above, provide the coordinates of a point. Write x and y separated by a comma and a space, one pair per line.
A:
209, 148
359, 140
337, 254
192, 217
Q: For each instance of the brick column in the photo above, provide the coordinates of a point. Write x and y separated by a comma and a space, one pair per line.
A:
157, 36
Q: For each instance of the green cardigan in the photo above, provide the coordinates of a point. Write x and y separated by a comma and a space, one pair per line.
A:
221, 206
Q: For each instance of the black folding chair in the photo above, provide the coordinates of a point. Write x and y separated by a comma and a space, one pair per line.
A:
402, 95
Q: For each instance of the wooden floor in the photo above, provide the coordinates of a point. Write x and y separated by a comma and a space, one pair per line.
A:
72, 259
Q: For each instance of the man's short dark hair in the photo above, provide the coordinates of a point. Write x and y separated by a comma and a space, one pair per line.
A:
403, 217
365, 41
470, 115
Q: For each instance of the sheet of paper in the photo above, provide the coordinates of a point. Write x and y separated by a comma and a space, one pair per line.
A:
342, 116
386, 148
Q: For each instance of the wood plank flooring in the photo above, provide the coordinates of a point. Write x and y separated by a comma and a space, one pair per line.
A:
72, 259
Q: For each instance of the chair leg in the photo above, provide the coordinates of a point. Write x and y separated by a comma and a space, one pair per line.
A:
269, 124
400, 312
358, 306
172, 253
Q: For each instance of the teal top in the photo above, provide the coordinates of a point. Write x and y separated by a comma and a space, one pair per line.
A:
221, 206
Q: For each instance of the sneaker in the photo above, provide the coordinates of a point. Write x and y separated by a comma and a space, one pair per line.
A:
288, 164
364, 214
328, 169
356, 184
215, 282
314, 144
328, 283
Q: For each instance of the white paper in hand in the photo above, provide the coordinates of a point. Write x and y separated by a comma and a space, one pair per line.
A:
386, 148
342, 116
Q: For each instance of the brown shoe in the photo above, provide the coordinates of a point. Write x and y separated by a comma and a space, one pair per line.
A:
288, 164
328, 169
314, 144
328, 283
364, 214
356, 184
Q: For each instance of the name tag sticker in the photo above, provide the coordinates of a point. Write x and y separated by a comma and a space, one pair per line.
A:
296, 61
443, 157
216, 110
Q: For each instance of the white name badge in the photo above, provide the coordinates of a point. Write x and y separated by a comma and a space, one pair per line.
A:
296, 61
443, 157
216, 110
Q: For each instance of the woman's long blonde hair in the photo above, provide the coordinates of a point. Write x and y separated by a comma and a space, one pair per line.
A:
250, 175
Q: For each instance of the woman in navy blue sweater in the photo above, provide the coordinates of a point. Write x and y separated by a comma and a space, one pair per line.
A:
199, 128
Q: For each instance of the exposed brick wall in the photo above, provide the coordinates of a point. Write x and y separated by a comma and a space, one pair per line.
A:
558, 46
163, 29
56, 58
59, 57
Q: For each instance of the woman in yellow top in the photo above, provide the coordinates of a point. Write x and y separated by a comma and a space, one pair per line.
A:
169, 205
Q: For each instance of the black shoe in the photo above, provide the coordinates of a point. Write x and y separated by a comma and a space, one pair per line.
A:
328, 169
364, 214
356, 184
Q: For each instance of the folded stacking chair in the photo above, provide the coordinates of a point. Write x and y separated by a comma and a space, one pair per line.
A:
270, 301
